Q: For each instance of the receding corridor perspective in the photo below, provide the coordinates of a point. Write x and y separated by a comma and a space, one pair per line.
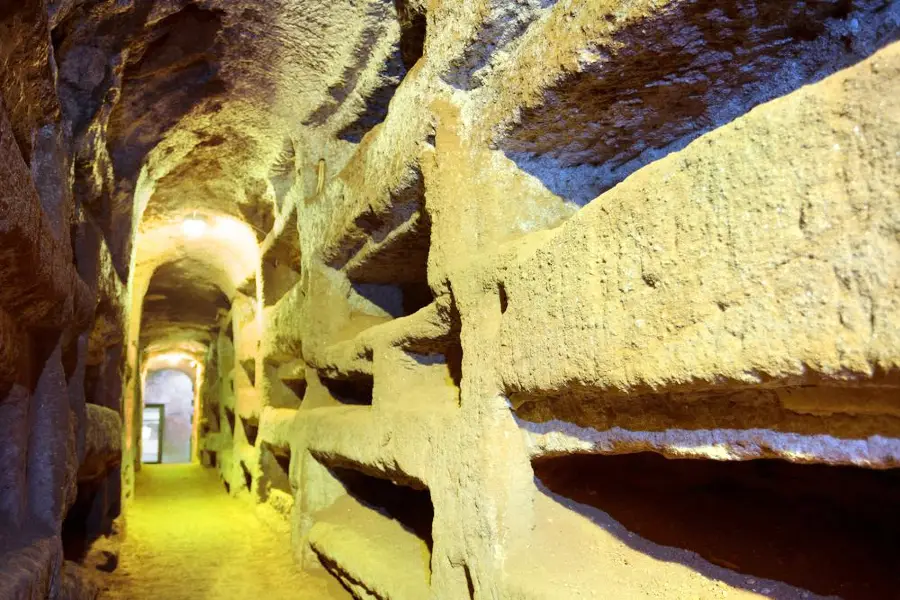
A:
449, 299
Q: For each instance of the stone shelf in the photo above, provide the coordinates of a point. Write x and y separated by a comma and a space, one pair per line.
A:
372, 552
400, 256
276, 426
426, 329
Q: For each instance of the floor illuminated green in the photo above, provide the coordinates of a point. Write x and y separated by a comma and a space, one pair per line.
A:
186, 538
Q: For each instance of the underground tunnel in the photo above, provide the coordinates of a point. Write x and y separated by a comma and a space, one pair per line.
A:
462, 299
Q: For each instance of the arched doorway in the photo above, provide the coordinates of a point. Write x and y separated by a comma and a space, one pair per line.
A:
168, 417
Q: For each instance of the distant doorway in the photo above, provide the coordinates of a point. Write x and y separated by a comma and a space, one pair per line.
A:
152, 433
168, 417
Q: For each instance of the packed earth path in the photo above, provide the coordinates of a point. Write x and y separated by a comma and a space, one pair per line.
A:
187, 538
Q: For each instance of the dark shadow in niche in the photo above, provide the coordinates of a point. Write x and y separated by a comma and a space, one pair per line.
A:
830, 530
411, 507
251, 429
413, 25
356, 391
388, 298
229, 416
658, 92
97, 504
284, 461
297, 387
396, 300
248, 478
249, 366
454, 356
276, 467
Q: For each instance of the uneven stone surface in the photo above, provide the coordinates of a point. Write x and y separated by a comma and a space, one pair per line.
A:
186, 539
484, 299
715, 305
77, 583
31, 569
103, 445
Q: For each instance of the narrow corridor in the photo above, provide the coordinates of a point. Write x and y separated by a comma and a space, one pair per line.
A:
186, 538
449, 299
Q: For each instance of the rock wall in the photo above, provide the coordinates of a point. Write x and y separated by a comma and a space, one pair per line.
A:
61, 309
587, 236
485, 299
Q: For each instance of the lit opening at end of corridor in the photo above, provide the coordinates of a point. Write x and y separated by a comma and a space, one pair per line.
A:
168, 415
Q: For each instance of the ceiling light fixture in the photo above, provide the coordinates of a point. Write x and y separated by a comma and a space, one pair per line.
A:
193, 227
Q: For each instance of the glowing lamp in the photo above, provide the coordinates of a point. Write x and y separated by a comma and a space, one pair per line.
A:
193, 227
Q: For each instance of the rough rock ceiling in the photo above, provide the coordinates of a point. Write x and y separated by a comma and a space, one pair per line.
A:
172, 307
172, 108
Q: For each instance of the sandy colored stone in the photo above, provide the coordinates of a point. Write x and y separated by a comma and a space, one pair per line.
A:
184, 532
489, 299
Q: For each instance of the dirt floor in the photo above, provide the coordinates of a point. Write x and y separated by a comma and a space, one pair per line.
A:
186, 538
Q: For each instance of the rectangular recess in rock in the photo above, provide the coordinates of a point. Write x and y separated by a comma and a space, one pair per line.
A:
396, 256
431, 378
287, 383
275, 462
396, 300
410, 506
230, 418
357, 390
278, 279
649, 78
378, 535
696, 303
826, 423
387, 244
251, 429
827, 529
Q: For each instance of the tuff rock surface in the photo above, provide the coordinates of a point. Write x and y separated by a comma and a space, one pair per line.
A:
452, 278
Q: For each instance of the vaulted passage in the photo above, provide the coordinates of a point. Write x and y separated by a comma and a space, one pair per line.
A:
457, 299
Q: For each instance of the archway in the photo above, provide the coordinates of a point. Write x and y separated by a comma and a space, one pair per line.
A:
167, 431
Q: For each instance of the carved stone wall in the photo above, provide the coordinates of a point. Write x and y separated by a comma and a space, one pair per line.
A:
484, 298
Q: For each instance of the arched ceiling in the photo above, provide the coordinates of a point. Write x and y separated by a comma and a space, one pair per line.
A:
202, 96
217, 108
171, 305
186, 278
178, 360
